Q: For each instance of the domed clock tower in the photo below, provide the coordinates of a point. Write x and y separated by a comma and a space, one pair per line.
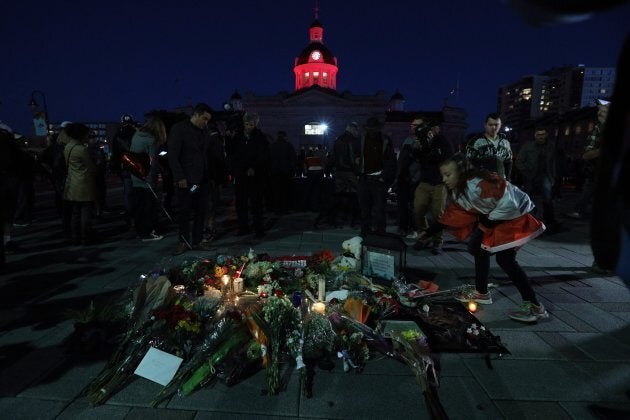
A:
316, 64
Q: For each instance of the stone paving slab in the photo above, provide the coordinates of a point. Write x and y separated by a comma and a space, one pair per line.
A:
31, 409
594, 316
464, 398
81, 410
614, 378
525, 410
343, 396
527, 346
247, 397
599, 347
65, 382
567, 349
527, 380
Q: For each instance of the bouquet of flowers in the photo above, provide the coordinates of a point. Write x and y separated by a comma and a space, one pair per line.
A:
151, 294
283, 323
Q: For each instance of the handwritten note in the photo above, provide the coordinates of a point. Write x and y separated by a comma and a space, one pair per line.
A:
158, 366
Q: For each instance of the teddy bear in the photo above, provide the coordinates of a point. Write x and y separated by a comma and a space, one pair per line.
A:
351, 258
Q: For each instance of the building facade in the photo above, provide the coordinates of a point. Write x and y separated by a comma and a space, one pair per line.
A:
316, 112
555, 92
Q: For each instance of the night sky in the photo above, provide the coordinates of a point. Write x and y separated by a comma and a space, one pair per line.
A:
97, 60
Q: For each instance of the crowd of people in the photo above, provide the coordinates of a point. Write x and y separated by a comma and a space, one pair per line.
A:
194, 158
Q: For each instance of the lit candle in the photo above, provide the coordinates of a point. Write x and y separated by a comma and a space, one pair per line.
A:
319, 307
472, 306
225, 279
238, 285
321, 288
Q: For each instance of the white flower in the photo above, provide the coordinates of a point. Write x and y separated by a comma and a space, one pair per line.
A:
425, 308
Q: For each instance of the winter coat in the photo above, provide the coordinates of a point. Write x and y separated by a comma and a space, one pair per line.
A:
536, 162
503, 204
81, 180
389, 159
188, 152
250, 153
346, 156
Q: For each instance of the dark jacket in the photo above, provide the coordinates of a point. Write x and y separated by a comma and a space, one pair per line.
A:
188, 152
389, 159
283, 158
346, 156
536, 162
252, 152
430, 153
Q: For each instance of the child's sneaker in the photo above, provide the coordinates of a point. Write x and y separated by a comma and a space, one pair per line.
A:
468, 295
528, 312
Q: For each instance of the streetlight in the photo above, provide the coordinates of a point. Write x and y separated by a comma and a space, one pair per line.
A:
40, 124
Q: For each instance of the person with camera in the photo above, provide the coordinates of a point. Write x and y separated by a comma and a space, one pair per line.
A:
188, 143
430, 149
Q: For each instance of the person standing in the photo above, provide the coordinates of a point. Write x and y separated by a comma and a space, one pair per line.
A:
314, 165
407, 179
492, 151
80, 188
283, 161
120, 144
345, 157
377, 169
536, 162
430, 195
53, 162
495, 217
250, 166
147, 141
188, 144
11, 169
216, 176
591, 159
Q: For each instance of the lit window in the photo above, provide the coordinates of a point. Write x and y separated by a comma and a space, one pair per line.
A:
578, 129
315, 129
567, 130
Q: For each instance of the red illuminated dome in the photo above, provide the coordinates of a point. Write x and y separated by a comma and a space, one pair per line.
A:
316, 64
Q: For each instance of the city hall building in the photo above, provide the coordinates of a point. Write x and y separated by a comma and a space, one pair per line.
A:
316, 112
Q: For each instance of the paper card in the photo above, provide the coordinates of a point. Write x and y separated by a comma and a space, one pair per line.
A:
381, 265
158, 366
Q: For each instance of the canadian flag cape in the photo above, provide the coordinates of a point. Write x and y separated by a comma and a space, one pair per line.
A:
499, 200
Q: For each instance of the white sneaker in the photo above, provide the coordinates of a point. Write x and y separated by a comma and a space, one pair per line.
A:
152, 237
412, 235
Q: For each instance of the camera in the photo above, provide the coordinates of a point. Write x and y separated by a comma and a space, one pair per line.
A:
422, 131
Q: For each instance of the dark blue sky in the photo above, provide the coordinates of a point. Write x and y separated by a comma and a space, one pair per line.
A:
97, 60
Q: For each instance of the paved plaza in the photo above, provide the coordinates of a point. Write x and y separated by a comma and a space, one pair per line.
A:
579, 356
